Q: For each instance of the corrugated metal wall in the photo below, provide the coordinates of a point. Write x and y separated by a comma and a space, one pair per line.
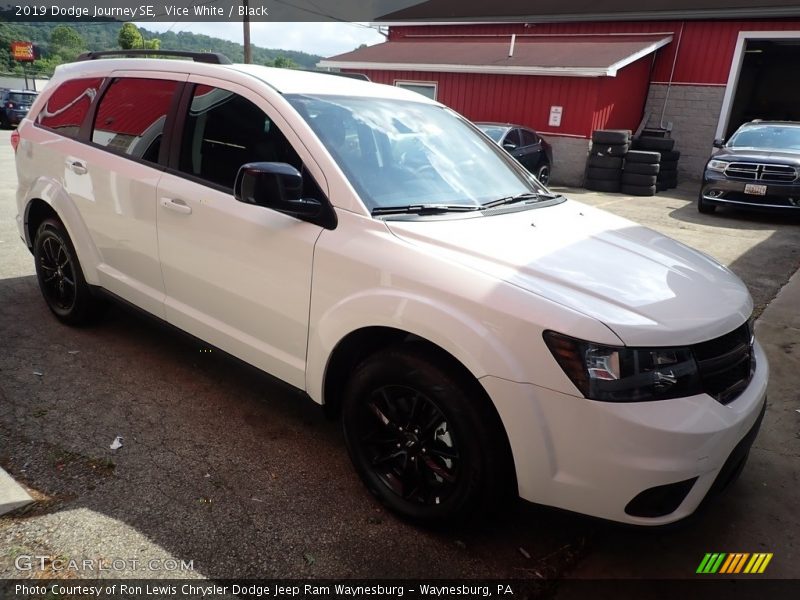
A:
588, 102
706, 47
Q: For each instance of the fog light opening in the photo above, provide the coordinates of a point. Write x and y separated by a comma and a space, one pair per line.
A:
714, 193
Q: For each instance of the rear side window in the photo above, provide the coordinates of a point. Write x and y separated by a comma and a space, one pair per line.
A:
67, 107
23, 98
131, 115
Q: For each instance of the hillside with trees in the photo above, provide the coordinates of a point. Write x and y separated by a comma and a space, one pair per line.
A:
62, 42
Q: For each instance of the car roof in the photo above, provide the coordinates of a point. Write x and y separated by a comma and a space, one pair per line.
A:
284, 81
759, 122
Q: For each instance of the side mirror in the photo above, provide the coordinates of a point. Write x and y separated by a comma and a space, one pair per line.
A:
719, 143
278, 186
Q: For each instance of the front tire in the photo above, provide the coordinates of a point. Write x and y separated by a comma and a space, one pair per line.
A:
60, 277
704, 207
421, 439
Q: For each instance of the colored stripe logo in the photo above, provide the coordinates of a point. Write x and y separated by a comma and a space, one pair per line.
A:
734, 563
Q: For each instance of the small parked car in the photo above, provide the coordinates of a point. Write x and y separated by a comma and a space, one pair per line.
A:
14, 105
757, 168
528, 147
480, 337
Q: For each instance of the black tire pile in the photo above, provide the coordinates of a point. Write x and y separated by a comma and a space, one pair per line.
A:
668, 159
640, 173
604, 165
637, 167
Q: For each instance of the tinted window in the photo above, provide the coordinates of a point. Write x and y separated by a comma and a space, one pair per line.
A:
528, 137
24, 98
68, 105
493, 131
131, 115
223, 131
512, 138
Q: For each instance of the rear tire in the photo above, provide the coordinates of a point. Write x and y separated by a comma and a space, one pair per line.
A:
543, 173
420, 438
60, 277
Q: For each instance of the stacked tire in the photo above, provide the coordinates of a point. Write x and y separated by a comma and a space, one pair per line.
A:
668, 172
604, 165
640, 173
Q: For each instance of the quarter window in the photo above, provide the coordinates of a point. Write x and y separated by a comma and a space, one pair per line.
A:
131, 115
68, 106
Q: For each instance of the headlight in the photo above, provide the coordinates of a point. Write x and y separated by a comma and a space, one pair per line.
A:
717, 165
622, 374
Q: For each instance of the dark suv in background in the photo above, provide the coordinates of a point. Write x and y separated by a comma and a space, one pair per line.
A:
14, 105
759, 167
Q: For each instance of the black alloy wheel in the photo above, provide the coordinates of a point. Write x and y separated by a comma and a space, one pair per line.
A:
543, 174
409, 444
425, 442
60, 276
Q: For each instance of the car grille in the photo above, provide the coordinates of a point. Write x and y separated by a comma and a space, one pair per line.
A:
761, 172
726, 364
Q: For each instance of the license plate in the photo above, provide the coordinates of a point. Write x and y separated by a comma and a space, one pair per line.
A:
756, 190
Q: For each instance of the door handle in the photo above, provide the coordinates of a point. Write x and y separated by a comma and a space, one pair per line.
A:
76, 166
177, 205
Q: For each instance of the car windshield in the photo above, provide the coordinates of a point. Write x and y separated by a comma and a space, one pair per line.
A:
493, 131
21, 97
767, 137
400, 153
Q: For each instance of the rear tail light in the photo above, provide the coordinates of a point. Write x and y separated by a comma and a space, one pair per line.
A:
9, 105
15, 140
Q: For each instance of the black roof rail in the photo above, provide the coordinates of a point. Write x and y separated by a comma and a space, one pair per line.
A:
213, 58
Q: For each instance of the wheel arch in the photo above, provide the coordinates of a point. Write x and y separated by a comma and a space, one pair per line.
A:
49, 200
363, 342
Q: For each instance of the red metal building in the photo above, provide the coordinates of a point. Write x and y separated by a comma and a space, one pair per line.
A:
699, 77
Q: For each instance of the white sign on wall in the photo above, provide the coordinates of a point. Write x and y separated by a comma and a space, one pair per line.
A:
555, 116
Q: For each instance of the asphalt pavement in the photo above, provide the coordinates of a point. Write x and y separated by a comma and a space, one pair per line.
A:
225, 470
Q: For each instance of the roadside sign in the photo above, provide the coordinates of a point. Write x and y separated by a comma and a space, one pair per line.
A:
22, 51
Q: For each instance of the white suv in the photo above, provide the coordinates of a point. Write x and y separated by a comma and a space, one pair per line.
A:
478, 335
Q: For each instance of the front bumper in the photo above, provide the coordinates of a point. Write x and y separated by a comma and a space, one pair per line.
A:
720, 190
597, 457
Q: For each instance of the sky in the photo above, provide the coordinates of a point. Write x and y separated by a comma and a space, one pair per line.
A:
325, 39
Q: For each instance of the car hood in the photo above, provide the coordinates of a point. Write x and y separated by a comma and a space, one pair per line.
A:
764, 156
647, 288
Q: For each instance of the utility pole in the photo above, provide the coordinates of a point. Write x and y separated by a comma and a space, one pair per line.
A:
248, 51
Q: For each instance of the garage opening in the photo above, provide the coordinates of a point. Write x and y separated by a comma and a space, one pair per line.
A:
768, 85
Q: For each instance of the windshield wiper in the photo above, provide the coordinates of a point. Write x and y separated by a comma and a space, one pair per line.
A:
518, 198
422, 209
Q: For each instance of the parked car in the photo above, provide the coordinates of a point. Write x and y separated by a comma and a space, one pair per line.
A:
14, 105
479, 336
757, 168
528, 147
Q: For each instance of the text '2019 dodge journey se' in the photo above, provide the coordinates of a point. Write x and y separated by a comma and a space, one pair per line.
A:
479, 336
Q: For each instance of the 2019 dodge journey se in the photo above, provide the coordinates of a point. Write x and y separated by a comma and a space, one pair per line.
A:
479, 336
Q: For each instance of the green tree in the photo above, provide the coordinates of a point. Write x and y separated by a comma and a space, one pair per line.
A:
66, 43
282, 62
154, 44
129, 37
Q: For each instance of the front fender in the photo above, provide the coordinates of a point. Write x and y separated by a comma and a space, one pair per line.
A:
465, 337
53, 193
